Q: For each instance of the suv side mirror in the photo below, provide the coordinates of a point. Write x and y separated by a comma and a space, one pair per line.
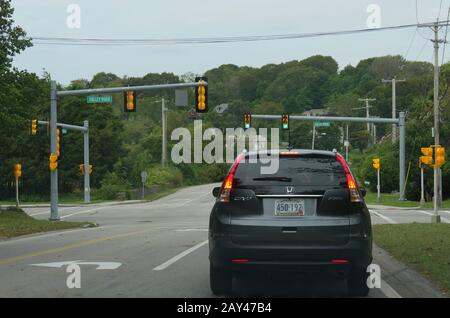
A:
215, 192
363, 191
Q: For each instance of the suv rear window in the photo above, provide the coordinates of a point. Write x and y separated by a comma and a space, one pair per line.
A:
303, 170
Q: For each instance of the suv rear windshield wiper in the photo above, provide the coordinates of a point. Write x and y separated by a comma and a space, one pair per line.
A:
281, 179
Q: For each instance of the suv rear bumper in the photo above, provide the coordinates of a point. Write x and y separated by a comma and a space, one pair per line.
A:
225, 253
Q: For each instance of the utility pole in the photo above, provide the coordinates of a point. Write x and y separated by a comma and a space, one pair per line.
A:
374, 134
422, 189
367, 100
436, 217
313, 136
164, 133
394, 81
346, 144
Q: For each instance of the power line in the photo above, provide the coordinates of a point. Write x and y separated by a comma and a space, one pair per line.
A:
417, 20
410, 44
41, 40
423, 47
445, 37
440, 9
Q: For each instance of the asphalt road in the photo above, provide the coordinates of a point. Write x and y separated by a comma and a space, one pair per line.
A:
159, 249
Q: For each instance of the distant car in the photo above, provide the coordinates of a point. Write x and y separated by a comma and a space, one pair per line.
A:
309, 215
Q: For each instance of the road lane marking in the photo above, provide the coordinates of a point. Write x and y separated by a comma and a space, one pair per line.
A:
36, 236
388, 291
389, 220
189, 201
431, 214
68, 247
176, 258
82, 212
48, 211
100, 265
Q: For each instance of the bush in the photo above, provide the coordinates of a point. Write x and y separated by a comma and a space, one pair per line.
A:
158, 175
112, 184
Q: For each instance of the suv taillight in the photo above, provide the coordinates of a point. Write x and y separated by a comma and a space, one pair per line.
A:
227, 185
351, 182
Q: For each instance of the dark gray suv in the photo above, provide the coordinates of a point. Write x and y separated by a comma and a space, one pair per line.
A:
310, 214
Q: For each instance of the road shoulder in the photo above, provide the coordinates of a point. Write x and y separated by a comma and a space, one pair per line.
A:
406, 281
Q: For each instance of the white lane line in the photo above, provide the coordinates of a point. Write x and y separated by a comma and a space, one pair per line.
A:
176, 258
389, 220
48, 211
388, 291
431, 214
82, 212
189, 201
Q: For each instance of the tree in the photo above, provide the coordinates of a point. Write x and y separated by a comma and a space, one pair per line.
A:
13, 39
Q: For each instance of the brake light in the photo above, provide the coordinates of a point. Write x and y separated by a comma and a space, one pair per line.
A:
227, 185
340, 261
351, 182
240, 261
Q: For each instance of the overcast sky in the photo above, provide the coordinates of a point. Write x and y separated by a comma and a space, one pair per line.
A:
207, 18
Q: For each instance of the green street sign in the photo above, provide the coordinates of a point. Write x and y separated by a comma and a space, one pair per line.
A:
321, 124
103, 99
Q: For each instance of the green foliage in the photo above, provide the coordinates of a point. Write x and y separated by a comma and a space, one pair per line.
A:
123, 145
158, 175
15, 222
111, 185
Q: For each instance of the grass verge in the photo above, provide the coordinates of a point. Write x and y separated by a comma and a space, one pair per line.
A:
158, 195
423, 247
392, 200
15, 222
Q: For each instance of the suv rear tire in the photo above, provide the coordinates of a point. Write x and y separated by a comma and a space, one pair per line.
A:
220, 280
357, 283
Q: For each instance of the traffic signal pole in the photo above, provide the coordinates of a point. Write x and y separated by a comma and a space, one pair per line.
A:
164, 133
85, 130
54, 215
54, 94
87, 187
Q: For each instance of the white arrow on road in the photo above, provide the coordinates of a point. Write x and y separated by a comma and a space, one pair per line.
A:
100, 265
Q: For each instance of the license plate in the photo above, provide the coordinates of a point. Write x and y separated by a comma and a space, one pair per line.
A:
289, 207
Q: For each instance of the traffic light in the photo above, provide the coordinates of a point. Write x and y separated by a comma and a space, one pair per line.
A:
440, 156
82, 169
201, 96
58, 141
427, 158
129, 102
53, 162
376, 164
33, 127
17, 170
285, 121
247, 121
